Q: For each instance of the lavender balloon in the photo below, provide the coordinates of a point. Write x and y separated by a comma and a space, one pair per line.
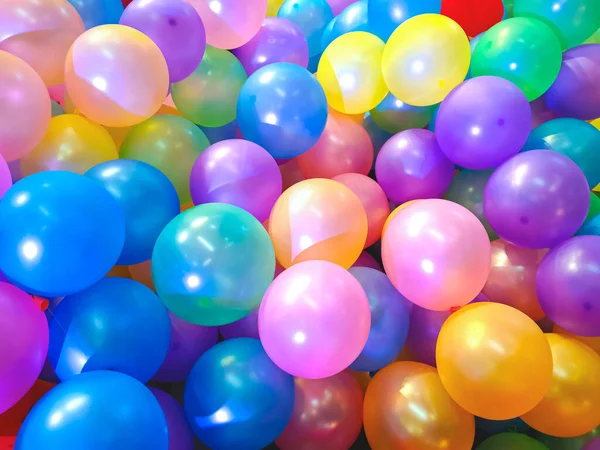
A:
177, 29
411, 165
278, 40
483, 122
246, 327
181, 436
425, 326
568, 285
536, 199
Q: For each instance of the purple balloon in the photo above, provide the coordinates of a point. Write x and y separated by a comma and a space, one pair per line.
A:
541, 112
239, 173
483, 122
425, 326
410, 165
175, 27
23, 343
594, 444
188, 343
246, 327
536, 199
278, 40
576, 90
181, 436
568, 285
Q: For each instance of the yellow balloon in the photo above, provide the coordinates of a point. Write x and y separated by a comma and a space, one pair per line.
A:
350, 73
273, 7
72, 143
596, 123
425, 58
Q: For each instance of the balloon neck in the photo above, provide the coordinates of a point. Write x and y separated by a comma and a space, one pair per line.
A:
42, 303
454, 309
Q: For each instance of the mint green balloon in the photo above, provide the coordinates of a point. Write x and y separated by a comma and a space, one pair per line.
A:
511, 441
208, 97
522, 50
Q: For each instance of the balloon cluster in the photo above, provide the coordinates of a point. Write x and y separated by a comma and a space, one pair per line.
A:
238, 224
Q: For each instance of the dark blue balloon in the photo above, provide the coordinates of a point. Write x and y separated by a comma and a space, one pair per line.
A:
117, 324
60, 232
98, 12
95, 411
282, 108
147, 199
515, 425
236, 398
218, 134
386, 15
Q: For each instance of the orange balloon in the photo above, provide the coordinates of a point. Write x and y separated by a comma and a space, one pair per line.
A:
142, 273
572, 405
406, 407
591, 342
494, 360
318, 219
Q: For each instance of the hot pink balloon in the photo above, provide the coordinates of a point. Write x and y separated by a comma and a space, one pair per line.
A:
337, 6
5, 176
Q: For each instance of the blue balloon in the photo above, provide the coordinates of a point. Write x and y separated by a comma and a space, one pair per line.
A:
117, 324
147, 199
353, 18
237, 398
98, 12
60, 232
431, 126
590, 227
95, 411
386, 15
311, 16
390, 314
219, 134
282, 108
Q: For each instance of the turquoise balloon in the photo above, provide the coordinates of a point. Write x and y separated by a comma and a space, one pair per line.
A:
393, 115
212, 264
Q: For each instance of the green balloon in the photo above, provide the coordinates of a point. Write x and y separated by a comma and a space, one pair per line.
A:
594, 206
522, 50
594, 38
511, 441
556, 443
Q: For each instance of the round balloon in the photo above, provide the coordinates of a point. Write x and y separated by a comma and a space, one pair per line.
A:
474, 16
99, 12
311, 17
385, 15
592, 342
394, 116
512, 441
6, 180
352, 18
180, 433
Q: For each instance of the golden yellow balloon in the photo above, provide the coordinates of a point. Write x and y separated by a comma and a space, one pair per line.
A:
572, 405
72, 143
425, 58
273, 7
596, 123
591, 342
350, 73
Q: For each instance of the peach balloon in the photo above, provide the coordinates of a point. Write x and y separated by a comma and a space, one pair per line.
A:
116, 76
318, 219
406, 407
591, 342
493, 360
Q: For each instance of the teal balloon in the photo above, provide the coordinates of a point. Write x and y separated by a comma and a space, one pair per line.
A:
393, 115
212, 264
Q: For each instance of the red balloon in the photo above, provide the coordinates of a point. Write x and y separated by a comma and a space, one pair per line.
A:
474, 16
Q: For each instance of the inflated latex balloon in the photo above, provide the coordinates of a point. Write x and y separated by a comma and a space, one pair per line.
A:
493, 360
218, 134
245, 327
282, 108
425, 58
350, 73
116, 75
395, 405
567, 284
591, 342
327, 414
393, 115
236, 397
6, 180
385, 15
474, 16
352, 18
57, 110
180, 433
425, 326
298, 319
536, 199
594, 444
239, 173
142, 273
512, 441
311, 16
99, 12
40, 33
541, 112
523, 50
366, 260
483, 122
378, 135
171, 144
212, 264
338, 6
318, 219
169, 23
67, 416
273, 6
46, 219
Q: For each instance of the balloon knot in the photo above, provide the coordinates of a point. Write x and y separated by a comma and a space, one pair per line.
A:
454, 309
42, 303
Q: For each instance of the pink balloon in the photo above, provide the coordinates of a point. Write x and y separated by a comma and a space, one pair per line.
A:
314, 319
436, 253
366, 260
5, 176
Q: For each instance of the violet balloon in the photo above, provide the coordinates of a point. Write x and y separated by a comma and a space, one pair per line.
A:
180, 434
246, 327
425, 326
536, 199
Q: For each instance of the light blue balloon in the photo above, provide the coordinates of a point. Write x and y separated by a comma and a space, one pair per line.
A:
591, 227
353, 18
472, 44
311, 16
98, 12
386, 15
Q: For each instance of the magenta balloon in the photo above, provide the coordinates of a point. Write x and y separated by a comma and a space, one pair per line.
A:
239, 173
181, 436
278, 40
5, 176
483, 122
23, 343
337, 6
568, 285
411, 165
314, 319
246, 327
366, 260
173, 25
536, 199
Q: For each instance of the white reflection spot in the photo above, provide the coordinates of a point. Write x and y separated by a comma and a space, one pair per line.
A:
192, 281
271, 119
513, 66
215, 6
475, 131
427, 266
299, 337
30, 250
418, 66
99, 83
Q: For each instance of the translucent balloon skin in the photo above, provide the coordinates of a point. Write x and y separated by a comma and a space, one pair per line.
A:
98, 12
284, 125
245, 327
180, 433
314, 320
483, 122
385, 15
499, 384
235, 397
393, 407
567, 285
536, 199
116, 76
169, 23
512, 441
523, 50
311, 16
591, 342
46, 219
212, 264
411, 166
352, 18
394, 116
327, 414
425, 326
80, 404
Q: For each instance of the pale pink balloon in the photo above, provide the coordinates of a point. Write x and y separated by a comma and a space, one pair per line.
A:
436, 253
366, 260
